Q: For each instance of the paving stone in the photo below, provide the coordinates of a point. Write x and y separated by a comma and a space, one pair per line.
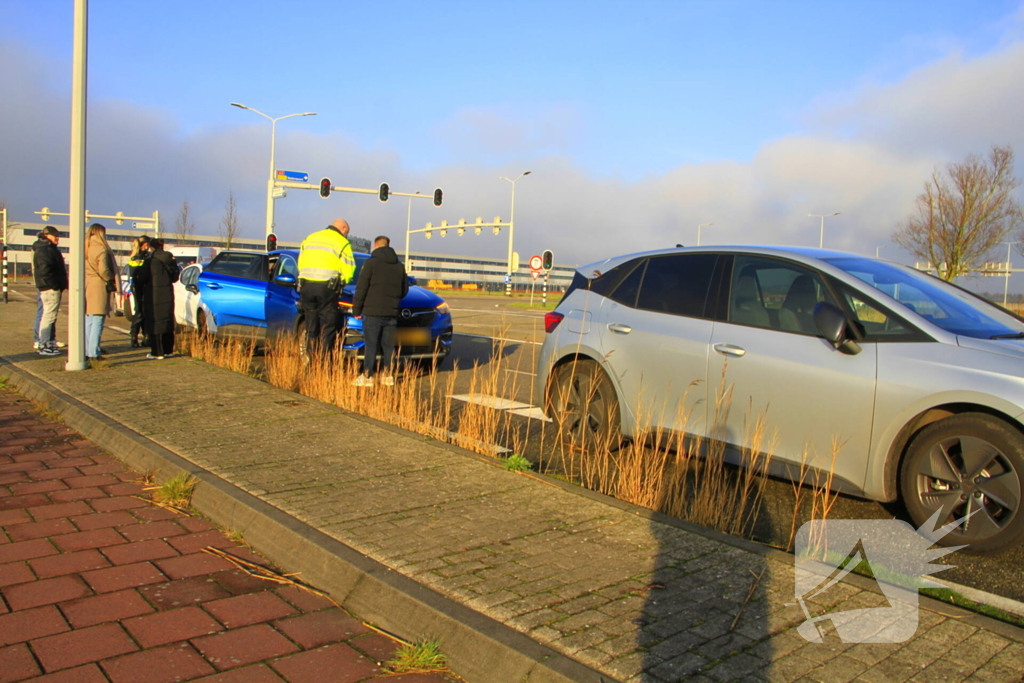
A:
314, 629
15, 572
102, 520
182, 592
330, 664
162, 665
17, 664
243, 646
142, 551
25, 625
123, 576
50, 527
102, 608
84, 540
44, 512
82, 646
44, 592
116, 503
88, 673
77, 494
171, 626
301, 599
259, 673
248, 609
68, 563
26, 550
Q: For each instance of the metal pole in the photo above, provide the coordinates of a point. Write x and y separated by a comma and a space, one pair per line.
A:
511, 232
698, 231
821, 238
408, 227
76, 221
4, 235
544, 296
1006, 285
270, 179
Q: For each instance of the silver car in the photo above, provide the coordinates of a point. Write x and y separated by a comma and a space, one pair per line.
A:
921, 382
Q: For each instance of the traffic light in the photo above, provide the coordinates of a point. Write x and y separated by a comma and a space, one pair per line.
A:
271, 242
437, 197
325, 187
384, 192
547, 259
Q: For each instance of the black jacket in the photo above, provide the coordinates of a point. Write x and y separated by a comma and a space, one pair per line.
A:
48, 266
382, 285
157, 277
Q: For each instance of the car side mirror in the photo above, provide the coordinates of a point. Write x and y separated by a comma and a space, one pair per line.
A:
285, 280
192, 288
835, 327
412, 280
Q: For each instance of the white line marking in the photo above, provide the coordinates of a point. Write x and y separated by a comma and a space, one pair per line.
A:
498, 403
484, 336
521, 372
499, 312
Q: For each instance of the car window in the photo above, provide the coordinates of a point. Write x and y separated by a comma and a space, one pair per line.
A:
605, 283
248, 266
876, 323
189, 275
775, 294
626, 291
677, 284
941, 303
286, 266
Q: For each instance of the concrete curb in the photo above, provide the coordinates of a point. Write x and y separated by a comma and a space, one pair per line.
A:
478, 648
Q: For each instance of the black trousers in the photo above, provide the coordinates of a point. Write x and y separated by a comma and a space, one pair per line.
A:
161, 344
320, 311
379, 334
137, 305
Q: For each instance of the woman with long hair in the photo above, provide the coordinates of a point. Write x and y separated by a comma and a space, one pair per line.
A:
101, 281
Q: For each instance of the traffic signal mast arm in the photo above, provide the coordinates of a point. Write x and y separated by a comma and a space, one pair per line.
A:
118, 217
338, 188
461, 226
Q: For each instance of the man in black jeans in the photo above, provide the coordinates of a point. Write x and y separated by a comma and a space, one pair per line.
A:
379, 293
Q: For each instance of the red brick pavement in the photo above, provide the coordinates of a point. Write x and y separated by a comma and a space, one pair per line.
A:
96, 585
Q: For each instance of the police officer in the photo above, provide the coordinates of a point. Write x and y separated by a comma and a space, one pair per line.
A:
326, 265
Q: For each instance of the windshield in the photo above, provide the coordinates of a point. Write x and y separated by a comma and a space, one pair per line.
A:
951, 308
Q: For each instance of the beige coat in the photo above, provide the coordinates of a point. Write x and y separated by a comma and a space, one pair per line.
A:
100, 268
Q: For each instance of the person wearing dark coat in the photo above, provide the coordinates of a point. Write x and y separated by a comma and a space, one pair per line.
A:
157, 276
382, 286
51, 280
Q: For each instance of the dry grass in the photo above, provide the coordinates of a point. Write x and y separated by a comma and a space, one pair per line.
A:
660, 469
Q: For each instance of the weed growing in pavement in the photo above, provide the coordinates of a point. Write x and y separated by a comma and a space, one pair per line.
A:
516, 463
419, 657
176, 492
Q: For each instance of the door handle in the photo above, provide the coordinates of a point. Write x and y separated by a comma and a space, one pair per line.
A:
213, 285
619, 328
730, 350
267, 295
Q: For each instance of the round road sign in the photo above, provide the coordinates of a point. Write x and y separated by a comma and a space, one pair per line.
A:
536, 262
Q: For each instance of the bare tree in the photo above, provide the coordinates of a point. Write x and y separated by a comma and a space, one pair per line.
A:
963, 213
229, 224
184, 224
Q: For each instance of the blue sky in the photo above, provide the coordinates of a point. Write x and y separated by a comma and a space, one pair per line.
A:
669, 114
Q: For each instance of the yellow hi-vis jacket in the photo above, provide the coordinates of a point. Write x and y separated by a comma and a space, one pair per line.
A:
326, 254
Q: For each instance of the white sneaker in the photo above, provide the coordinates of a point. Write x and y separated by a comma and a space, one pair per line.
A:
45, 350
60, 345
387, 380
150, 356
362, 381
36, 345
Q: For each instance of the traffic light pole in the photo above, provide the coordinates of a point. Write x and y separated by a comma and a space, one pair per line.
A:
4, 236
76, 221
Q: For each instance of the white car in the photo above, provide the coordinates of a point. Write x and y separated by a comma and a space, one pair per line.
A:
189, 311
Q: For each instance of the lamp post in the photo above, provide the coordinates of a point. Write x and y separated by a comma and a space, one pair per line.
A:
821, 241
512, 227
1006, 285
702, 225
877, 249
408, 227
273, 137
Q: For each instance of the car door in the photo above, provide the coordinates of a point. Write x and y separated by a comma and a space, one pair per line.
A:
186, 297
234, 288
281, 303
770, 357
655, 337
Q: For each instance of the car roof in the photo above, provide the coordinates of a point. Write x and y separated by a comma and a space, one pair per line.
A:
805, 253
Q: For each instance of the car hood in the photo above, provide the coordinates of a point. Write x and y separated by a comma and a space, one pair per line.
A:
418, 297
1014, 348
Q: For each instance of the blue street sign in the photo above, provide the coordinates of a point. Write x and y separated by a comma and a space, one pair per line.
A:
293, 176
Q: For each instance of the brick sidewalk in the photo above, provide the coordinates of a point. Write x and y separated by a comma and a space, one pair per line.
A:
98, 585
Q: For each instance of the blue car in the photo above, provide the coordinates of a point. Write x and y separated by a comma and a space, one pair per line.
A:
253, 295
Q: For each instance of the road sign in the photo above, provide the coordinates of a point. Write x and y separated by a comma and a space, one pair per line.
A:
535, 274
142, 226
294, 176
536, 263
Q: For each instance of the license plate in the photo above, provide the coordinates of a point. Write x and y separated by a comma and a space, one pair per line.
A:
412, 336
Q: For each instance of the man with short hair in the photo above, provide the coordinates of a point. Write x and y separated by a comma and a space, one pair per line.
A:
326, 265
51, 280
382, 286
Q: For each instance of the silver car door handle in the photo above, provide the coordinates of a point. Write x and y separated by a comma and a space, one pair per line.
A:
730, 350
213, 285
621, 329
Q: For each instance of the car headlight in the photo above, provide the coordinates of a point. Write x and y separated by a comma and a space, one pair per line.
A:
442, 308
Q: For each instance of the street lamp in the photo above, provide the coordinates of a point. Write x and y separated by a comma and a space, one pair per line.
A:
821, 241
408, 226
1006, 285
512, 227
702, 225
273, 136
877, 249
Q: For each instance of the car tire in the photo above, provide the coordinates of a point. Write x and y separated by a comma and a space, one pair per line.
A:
968, 463
585, 409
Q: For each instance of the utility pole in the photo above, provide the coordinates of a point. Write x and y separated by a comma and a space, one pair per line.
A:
512, 228
76, 221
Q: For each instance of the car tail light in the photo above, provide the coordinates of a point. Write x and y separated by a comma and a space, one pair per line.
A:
551, 321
